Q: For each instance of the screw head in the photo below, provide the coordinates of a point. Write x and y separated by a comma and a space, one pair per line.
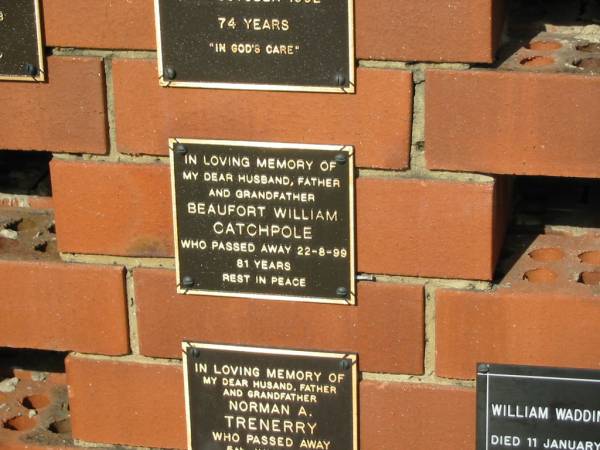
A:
195, 352
341, 292
341, 159
31, 70
169, 73
340, 79
187, 282
483, 368
180, 149
345, 364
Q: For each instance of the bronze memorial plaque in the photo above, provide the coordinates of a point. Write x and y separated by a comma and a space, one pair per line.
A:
21, 50
546, 408
264, 220
247, 398
284, 45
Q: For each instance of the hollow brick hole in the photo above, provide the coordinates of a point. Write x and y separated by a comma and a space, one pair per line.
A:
60, 426
19, 423
36, 402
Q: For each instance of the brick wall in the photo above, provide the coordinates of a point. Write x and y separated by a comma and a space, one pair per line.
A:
442, 123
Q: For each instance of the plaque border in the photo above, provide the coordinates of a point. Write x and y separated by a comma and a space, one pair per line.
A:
348, 149
518, 371
41, 75
185, 345
351, 89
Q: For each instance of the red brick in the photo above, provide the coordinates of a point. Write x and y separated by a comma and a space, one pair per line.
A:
407, 416
114, 24
552, 263
423, 227
126, 402
141, 403
66, 114
116, 209
402, 30
513, 123
515, 327
407, 30
377, 120
405, 226
57, 306
386, 328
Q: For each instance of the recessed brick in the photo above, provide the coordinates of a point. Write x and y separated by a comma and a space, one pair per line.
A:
65, 114
423, 227
511, 326
386, 328
115, 401
435, 30
115, 24
58, 306
513, 123
115, 209
377, 119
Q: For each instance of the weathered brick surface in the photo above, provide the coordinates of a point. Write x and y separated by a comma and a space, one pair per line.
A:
56, 306
114, 24
513, 123
511, 326
386, 328
116, 401
377, 119
65, 114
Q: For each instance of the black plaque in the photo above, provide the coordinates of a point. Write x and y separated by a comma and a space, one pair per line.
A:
21, 52
523, 407
246, 398
264, 220
288, 45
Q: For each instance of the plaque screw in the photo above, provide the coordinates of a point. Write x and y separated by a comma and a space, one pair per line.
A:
187, 282
340, 79
31, 70
483, 368
195, 352
169, 73
345, 364
341, 292
341, 159
180, 149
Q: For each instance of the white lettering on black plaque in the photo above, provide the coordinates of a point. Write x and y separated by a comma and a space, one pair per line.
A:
264, 220
288, 45
246, 398
21, 52
523, 407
